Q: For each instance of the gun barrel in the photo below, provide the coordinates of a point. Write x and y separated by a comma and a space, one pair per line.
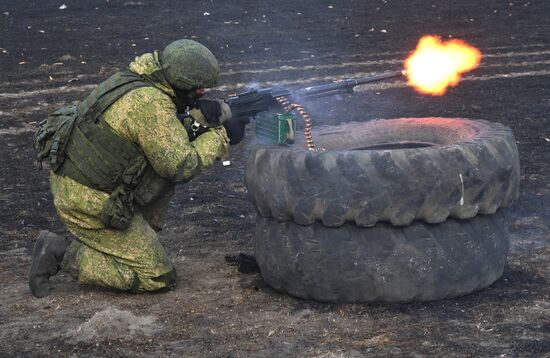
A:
344, 86
254, 101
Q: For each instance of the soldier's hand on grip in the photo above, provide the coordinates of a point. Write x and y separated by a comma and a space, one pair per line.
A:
205, 114
215, 112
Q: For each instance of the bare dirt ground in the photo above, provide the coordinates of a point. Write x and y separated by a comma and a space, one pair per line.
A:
50, 57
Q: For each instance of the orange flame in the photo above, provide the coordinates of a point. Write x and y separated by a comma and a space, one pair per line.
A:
435, 65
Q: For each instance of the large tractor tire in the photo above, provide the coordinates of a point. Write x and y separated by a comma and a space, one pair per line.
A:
396, 170
420, 262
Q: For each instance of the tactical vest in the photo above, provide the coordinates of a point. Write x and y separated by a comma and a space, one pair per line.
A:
81, 145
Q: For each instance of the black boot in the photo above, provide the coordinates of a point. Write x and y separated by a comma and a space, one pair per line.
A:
46, 261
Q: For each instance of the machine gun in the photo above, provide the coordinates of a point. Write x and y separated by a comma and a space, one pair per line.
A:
280, 128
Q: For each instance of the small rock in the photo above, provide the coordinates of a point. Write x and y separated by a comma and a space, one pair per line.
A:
67, 57
111, 324
133, 3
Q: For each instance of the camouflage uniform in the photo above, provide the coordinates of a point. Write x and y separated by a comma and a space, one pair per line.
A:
133, 259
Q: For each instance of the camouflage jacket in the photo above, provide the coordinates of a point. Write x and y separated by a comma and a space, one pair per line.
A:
147, 117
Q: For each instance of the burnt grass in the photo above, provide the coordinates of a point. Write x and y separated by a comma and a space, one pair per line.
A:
50, 57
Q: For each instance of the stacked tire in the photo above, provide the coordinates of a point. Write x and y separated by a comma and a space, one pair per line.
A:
395, 210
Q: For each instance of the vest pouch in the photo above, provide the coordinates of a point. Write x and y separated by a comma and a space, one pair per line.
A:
53, 135
151, 187
118, 211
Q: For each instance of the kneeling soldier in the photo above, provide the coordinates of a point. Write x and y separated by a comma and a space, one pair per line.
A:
114, 160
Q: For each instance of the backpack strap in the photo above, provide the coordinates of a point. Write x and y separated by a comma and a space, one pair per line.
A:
107, 92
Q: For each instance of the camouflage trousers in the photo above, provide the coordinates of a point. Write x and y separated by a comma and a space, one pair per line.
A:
129, 260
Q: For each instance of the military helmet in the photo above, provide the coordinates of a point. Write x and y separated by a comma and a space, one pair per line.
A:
188, 64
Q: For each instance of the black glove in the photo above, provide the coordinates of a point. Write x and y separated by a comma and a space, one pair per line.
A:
235, 129
212, 110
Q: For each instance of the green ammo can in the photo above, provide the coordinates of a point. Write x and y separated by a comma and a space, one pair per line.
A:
276, 128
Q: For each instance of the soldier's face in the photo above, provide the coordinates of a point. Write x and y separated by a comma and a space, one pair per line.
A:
191, 95
199, 92
186, 98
